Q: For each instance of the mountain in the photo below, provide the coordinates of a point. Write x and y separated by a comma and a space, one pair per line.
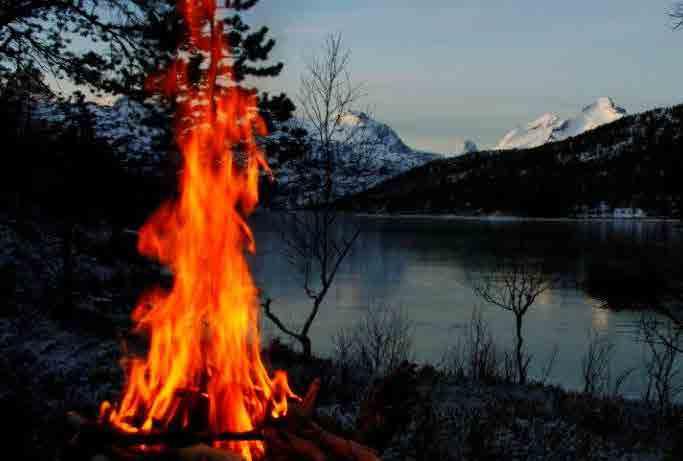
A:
461, 147
550, 127
371, 152
629, 168
374, 152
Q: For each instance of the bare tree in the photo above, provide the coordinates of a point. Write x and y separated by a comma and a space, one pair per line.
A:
327, 94
677, 15
38, 34
316, 243
318, 240
514, 284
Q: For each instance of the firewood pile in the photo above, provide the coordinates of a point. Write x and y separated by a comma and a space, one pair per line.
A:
294, 437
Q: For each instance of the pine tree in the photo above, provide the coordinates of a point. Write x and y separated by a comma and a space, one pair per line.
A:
111, 46
250, 50
89, 42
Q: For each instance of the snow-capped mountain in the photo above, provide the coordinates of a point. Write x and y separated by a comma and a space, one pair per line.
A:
370, 152
630, 169
550, 127
373, 144
373, 151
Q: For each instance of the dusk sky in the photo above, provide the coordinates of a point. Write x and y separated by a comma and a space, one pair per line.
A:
448, 69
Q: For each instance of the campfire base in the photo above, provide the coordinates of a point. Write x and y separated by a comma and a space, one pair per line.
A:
293, 437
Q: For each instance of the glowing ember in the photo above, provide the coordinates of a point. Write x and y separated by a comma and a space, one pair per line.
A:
204, 336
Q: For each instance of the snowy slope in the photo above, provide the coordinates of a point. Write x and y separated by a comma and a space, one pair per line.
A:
550, 127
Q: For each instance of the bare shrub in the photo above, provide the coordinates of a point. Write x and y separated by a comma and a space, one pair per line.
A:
595, 364
377, 345
475, 354
547, 369
663, 340
596, 369
509, 366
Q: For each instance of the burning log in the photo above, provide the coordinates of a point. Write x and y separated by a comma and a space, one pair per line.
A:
105, 434
294, 436
303, 438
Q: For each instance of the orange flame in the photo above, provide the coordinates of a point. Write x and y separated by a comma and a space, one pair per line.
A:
203, 332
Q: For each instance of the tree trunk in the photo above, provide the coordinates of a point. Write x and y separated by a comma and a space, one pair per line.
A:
306, 346
521, 371
67, 272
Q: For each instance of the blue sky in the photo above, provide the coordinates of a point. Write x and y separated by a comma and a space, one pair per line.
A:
476, 68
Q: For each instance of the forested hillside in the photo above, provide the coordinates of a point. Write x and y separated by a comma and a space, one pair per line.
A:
630, 167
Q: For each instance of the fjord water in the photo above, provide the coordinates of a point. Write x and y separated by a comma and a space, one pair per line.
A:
424, 266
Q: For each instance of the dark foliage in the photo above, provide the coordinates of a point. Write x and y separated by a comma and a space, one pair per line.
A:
66, 172
113, 46
99, 43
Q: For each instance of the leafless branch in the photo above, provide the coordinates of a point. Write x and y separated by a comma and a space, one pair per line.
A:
377, 345
326, 96
595, 364
664, 381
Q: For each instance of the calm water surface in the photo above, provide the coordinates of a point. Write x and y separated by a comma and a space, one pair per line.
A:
424, 266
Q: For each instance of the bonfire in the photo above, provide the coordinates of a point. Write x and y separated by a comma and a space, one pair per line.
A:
202, 391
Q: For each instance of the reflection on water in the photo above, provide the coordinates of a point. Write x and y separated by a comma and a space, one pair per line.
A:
424, 265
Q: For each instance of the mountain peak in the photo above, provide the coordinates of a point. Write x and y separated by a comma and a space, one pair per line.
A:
549, 127
604, 104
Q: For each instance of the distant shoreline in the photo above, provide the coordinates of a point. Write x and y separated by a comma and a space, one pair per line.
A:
513, 218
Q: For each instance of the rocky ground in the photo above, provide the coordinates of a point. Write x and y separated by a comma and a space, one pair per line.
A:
52, 362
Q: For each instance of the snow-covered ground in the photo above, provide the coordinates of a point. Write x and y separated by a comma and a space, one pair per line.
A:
550, 127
